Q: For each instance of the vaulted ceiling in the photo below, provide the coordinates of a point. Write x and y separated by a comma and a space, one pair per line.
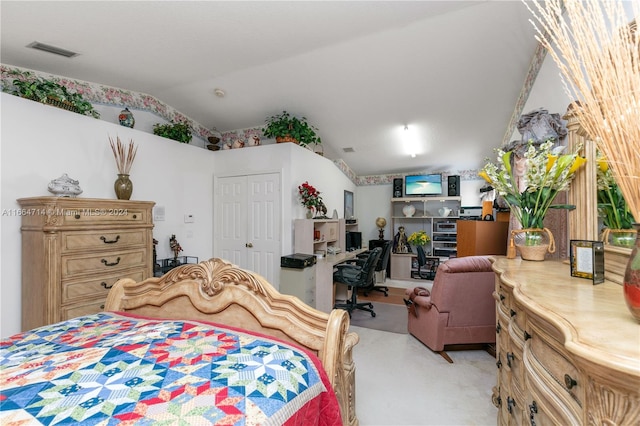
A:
360, 71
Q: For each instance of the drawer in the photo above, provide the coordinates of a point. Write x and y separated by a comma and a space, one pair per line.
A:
102, 263
78, 310
503, 299
513, 362
73, 291
518, 318
105, 240
105, 215
555, 363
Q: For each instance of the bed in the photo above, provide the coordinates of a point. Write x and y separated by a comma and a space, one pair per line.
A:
208, 343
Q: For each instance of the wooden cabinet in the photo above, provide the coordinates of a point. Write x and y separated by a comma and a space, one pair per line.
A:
314, 236
568, 352
300, 283
480, 237
75, 249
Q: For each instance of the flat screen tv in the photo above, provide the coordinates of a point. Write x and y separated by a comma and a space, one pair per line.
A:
423, 185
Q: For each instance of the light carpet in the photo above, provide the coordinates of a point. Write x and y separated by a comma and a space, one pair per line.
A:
389, 317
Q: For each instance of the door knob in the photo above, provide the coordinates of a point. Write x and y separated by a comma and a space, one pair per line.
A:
248, 245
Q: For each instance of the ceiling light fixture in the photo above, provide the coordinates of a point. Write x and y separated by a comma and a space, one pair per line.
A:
409, 140
219, 93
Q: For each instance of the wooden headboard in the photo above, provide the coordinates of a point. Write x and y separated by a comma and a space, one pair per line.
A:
218, 291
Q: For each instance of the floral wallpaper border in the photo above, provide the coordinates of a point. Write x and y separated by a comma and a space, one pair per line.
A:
113, 96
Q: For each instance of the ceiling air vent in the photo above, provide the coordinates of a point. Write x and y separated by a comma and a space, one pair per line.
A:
349, 149
52, 49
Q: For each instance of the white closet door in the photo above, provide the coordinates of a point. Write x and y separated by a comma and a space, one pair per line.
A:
248, 223
264, 225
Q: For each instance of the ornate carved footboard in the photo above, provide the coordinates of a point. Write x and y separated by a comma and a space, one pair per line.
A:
218, 291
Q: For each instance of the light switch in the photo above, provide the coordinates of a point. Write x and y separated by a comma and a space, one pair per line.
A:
188, 218
158, 213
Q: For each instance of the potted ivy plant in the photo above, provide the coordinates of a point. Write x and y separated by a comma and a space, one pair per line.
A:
287, 128
180, 132
29, 86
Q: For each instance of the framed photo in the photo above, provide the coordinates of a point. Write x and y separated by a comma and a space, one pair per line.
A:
348, 204
587, 260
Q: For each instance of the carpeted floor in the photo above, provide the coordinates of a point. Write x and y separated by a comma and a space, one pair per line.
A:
389, 317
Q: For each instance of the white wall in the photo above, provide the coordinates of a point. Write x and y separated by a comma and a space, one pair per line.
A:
40, 143
296, 165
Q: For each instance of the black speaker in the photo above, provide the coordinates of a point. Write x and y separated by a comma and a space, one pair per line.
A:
397, 188
454, 186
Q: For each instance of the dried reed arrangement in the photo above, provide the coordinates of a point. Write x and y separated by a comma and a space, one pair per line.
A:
124, 157
597, 51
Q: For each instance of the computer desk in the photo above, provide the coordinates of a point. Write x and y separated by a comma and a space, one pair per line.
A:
325, 289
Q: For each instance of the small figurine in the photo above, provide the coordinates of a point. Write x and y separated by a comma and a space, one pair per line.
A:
400, 244
175, 247
254, 140
156, 265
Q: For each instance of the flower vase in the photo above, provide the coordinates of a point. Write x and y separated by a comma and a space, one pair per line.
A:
309, 214
619, 237
123, 187
126, 118
533, 243
631, 281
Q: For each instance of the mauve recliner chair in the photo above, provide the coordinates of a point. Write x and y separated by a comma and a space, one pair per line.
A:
460, 309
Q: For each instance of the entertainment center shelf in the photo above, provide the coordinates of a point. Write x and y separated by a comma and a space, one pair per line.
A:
437, 215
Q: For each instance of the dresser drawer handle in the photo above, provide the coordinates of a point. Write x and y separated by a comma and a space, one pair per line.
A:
502, 297
499, 362
569, 382
77, 216
527, 336
510, 404
105, 285
498, 328
510, 358
533, 410
135, 216
513, 313
104, 240
106, 262
101, 306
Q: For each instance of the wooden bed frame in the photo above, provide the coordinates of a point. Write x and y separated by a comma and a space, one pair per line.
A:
218, 291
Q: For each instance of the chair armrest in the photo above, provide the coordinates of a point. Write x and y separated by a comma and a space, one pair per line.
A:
346, 266
423, 301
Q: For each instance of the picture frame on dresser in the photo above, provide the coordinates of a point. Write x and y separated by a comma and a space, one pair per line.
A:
586, 258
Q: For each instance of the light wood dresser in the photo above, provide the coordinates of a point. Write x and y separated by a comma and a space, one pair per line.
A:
568, 352
74, 249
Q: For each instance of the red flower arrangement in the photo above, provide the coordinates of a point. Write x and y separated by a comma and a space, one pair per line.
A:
311, 199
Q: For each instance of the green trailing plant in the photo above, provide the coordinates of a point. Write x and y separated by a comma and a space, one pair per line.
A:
180, 132
285, 125
28, 85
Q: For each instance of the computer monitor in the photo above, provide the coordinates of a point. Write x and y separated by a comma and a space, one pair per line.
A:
353, 240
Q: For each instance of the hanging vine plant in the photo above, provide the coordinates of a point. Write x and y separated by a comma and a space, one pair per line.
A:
28, 85
180, 132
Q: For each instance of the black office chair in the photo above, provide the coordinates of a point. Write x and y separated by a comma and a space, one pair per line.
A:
381, 267
431, 265
357, 275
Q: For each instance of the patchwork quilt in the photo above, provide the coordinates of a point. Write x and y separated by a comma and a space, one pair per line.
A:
111, 368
